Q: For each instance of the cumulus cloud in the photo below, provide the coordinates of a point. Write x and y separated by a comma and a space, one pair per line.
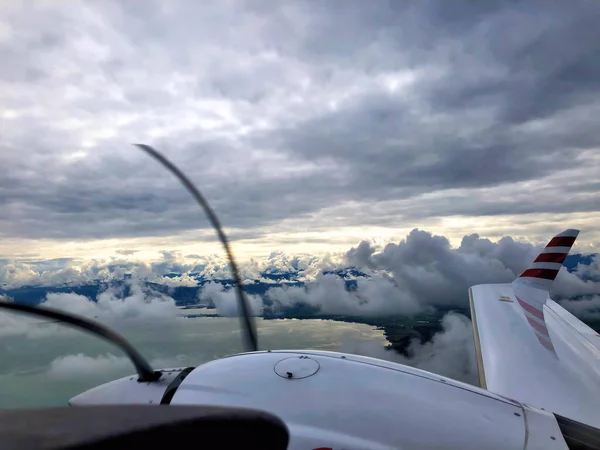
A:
13, 324
590, 271
171, 268
425, 266
568, 285
585, 308
80, 365
141, 304
419, 272
376, 295
114, 306
405, 277
226, 301
66, 271
451, 352
176, 281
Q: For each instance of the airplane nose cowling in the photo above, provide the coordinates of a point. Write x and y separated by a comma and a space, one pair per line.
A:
129, 391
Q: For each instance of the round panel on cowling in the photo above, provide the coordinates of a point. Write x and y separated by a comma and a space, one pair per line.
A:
296, 368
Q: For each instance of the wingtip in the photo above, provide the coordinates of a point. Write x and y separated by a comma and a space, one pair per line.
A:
570, 232
542, 272
541, 275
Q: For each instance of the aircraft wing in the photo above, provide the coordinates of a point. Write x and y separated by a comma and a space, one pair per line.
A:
530, 349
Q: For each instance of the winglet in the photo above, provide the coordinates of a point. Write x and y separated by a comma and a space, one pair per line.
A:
531, 288
543, 271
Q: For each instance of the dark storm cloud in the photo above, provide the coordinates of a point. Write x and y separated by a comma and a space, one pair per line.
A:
489, 79
282, 111
381, 148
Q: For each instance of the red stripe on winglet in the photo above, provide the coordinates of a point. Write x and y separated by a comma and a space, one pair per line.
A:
538, 326
551, 257
531, 309
561, 241
547, 274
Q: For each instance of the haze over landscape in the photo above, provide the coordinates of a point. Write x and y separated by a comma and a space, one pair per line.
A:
369, 162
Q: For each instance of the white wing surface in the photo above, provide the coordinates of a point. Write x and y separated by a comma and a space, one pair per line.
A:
531, 349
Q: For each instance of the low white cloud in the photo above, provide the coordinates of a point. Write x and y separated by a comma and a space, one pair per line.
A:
16, 324
585, 308
590, 271
579, 292
80, 365
142, 305
377, 295
425, 267
172, 268
405, 277
15, 274
569, 284
450, 353
177, 281
226, 301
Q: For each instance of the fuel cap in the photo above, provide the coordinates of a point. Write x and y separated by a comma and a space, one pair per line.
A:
296, 367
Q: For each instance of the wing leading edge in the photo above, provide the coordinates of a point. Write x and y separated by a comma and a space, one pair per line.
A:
531, 349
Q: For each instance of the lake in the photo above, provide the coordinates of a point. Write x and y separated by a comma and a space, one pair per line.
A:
49, 363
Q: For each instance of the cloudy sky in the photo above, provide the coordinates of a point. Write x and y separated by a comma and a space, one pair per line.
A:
309, 125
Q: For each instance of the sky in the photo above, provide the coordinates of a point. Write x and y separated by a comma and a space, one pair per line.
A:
309, 126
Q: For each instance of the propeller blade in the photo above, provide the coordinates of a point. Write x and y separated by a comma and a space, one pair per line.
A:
247, 322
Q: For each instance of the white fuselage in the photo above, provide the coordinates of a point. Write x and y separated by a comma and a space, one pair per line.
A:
342, 401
